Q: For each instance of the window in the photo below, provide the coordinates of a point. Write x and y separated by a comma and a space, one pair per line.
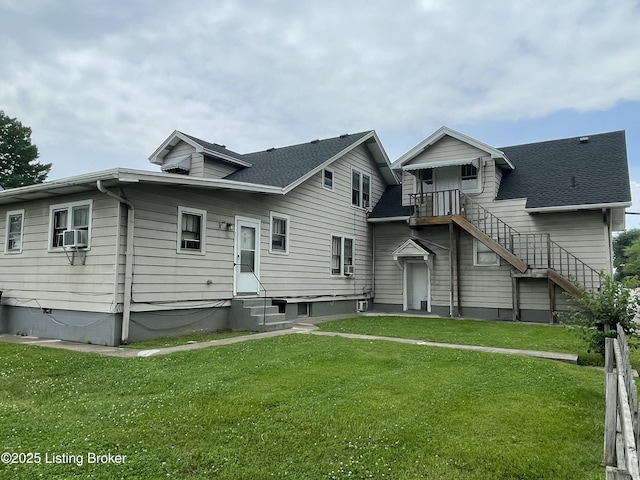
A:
191, 230
70, 216
304, 309
427, 180
342, 256
360, 189
15, 225
279, 233
327, 178
468, 177
483, 256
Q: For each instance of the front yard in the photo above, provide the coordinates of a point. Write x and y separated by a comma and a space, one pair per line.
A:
301, 406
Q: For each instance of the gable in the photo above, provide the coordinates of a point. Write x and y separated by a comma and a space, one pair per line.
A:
446, 149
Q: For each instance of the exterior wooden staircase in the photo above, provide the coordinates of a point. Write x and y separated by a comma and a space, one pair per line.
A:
533, 253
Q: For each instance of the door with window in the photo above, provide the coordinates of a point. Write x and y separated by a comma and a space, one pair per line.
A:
446, 180
247, 255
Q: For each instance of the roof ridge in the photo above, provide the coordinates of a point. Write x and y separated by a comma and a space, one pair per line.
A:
572, 137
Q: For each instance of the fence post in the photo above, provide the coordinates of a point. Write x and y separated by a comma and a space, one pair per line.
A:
611, 406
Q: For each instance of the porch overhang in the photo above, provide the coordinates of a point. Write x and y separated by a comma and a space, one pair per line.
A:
413, 248
443, 163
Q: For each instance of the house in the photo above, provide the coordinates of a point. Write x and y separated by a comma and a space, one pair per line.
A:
217, 239
490, 232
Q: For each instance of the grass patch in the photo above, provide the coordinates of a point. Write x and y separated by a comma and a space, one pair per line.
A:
303, 406
524, 336
165, 342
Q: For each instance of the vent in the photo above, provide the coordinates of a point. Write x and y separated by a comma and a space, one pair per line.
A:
315, 141
344, 135
584, 139
271, 149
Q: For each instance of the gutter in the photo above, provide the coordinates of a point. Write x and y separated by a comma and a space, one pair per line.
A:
128, 269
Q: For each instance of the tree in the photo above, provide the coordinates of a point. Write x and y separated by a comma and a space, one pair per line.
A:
620, 255
600, 311
18, 165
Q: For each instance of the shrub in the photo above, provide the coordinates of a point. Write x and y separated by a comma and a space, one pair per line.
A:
600, 311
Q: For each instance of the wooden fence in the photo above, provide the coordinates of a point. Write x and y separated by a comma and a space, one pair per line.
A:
621, 419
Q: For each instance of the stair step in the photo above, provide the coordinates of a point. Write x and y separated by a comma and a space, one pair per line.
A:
272, 326
255, 302
259, 310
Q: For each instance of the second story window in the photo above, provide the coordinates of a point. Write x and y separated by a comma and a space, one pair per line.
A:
468, 177
360, 189
327, 178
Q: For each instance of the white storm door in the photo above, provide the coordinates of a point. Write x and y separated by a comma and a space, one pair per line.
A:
416, 285
247, 255
446, 179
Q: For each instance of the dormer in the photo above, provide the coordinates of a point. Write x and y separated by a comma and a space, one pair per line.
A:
187, 155
449, 161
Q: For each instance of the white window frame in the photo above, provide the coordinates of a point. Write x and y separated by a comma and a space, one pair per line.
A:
203, 231
478, 186
476, 263
342, 257
361, 193
70, 226
333, 178
279, 216
10, 214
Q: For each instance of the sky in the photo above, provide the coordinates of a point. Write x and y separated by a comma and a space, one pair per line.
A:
103, 84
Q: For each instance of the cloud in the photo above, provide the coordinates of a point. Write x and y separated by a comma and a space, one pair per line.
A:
121, 76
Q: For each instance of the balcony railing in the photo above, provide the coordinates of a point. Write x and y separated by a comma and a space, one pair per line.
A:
537, 250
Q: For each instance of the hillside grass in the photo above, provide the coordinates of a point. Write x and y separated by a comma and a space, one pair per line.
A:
302, 406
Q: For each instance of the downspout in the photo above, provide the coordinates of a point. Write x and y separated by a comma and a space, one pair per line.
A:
128, 269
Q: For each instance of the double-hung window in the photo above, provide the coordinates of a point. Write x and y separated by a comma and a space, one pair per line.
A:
360, 189
70, 216
468, 177
327, 178
192, 228
15, 228
342, 256
279, 233
483, 256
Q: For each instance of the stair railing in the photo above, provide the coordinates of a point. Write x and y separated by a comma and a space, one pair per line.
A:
537, 250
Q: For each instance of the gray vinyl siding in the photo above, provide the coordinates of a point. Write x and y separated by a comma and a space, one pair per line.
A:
449, 148
41, 279
162, 275
217, 169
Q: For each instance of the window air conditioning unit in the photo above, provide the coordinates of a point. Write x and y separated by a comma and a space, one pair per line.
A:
348, 270
363, 305
74, 238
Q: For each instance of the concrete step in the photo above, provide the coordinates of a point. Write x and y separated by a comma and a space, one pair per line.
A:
255, 302
258, 310
272, 326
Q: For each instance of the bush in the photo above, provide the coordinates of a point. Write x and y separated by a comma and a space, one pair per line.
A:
600, 311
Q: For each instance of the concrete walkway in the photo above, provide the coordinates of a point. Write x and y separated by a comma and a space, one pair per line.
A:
298, 328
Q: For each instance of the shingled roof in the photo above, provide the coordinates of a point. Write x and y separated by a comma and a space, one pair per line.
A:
280, 167
390, 204
577, 171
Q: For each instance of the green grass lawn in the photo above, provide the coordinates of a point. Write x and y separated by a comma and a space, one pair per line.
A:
525, 336
303, 407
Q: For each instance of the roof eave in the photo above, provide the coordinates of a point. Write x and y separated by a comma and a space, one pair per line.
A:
389, 219
570, 208
329, 161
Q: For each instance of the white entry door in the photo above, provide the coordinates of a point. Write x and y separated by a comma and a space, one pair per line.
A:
446, 179
416, 281
247, 255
